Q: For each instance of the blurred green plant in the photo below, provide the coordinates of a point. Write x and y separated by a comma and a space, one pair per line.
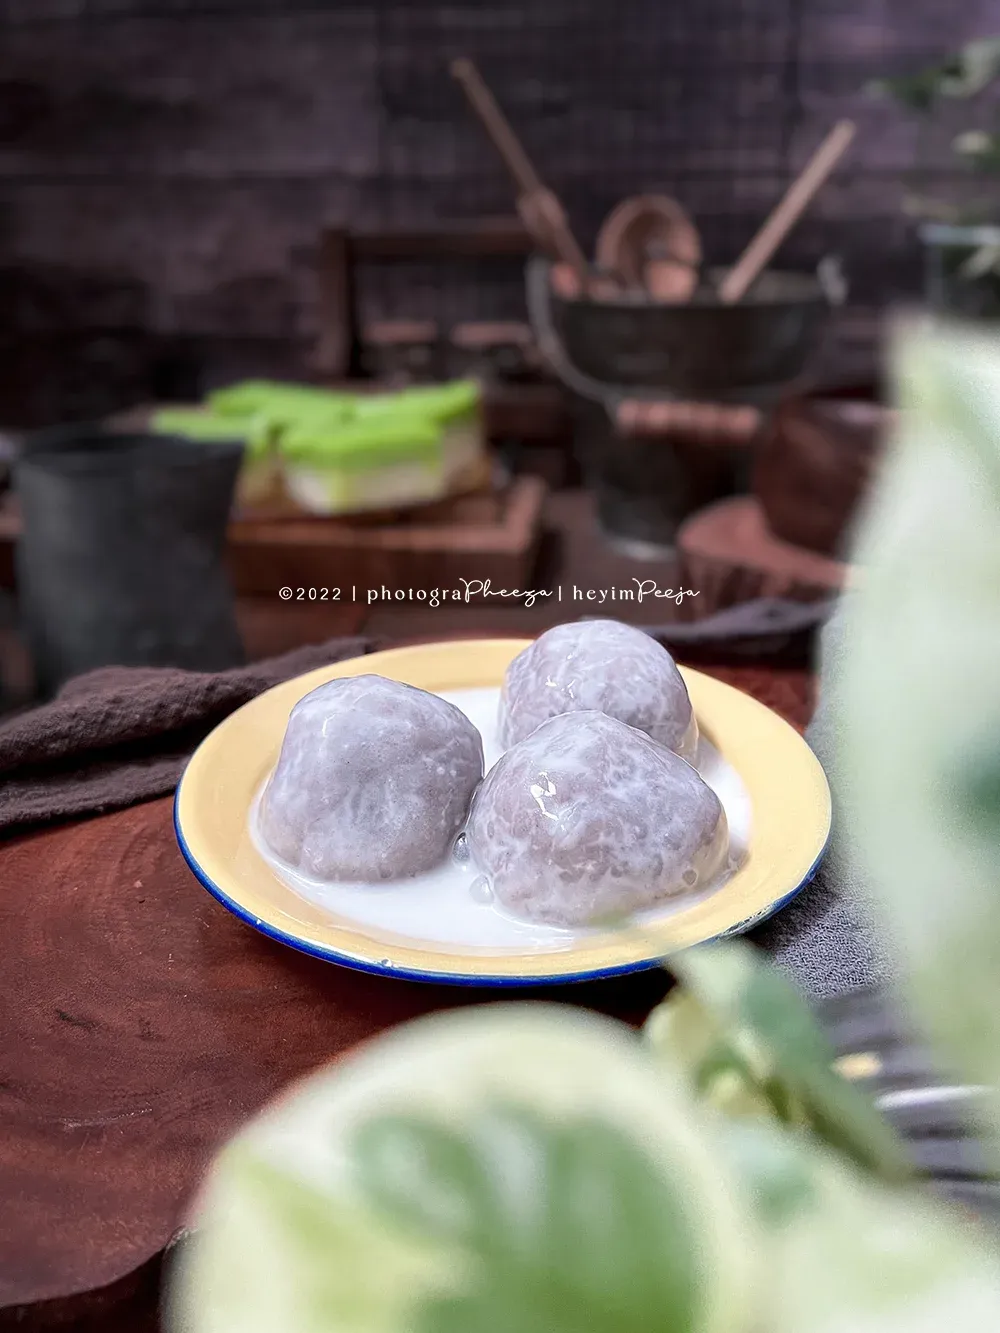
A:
920, 699
965, 76
536, 1169
751, 1047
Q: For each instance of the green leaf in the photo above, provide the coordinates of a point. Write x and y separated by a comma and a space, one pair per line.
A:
846, 1254
984, 260
284, 1255
724, 1069
914, 92
918, 697
504, 1169
973, 69
780, 1050
963, 75
564, 1225
980, 148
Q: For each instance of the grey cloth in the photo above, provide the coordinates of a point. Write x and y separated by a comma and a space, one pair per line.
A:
825, 937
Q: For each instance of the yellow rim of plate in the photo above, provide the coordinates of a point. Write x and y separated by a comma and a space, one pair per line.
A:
787, 787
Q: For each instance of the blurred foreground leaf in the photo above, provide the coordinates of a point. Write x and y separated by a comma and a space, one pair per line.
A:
846, 1254
281, 1255
920, 694
510, 1169
523, 1169
564, 1226
752, 1046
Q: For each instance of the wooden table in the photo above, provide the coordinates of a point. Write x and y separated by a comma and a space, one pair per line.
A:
141, 1024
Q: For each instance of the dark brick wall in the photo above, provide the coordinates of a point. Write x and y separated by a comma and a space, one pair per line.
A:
165, 166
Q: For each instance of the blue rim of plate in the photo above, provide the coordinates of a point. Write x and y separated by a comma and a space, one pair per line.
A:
456, 978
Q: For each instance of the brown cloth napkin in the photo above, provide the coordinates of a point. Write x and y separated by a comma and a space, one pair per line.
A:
120, 735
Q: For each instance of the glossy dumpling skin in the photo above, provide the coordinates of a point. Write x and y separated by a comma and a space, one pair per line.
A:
373, 781
599, 665
588, 818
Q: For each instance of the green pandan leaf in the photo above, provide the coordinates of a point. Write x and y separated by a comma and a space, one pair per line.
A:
920, 698
777, 1049
506, 1169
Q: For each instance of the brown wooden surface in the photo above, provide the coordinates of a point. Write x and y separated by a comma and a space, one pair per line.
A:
140, 1023
729, 554
574, 557
271, 627
400, 332
479, 335
478, 537
813, 466
337, 355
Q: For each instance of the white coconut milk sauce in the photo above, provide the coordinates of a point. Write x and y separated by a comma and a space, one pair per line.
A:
452, 908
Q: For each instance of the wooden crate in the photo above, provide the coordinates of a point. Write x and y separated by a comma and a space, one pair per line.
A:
476, 537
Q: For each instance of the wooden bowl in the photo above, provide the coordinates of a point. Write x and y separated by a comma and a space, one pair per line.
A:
650, 242
813, 465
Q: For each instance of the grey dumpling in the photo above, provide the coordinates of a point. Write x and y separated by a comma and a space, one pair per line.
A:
589, 818
599, 665
373, 781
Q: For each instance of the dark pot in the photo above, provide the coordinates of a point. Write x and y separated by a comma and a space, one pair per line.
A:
121, 558
949, 288
700, 350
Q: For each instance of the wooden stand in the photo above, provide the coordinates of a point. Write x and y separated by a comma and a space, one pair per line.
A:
488, 536
526, 406
814, 464
728, 555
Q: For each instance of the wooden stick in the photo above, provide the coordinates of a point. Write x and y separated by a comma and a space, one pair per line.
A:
539, 208
797, 199
495, 123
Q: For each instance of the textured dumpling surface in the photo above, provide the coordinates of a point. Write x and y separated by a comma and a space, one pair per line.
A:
599, 665
588, 818
373, 781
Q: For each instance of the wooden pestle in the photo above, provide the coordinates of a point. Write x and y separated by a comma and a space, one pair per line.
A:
540, 210
799, 195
